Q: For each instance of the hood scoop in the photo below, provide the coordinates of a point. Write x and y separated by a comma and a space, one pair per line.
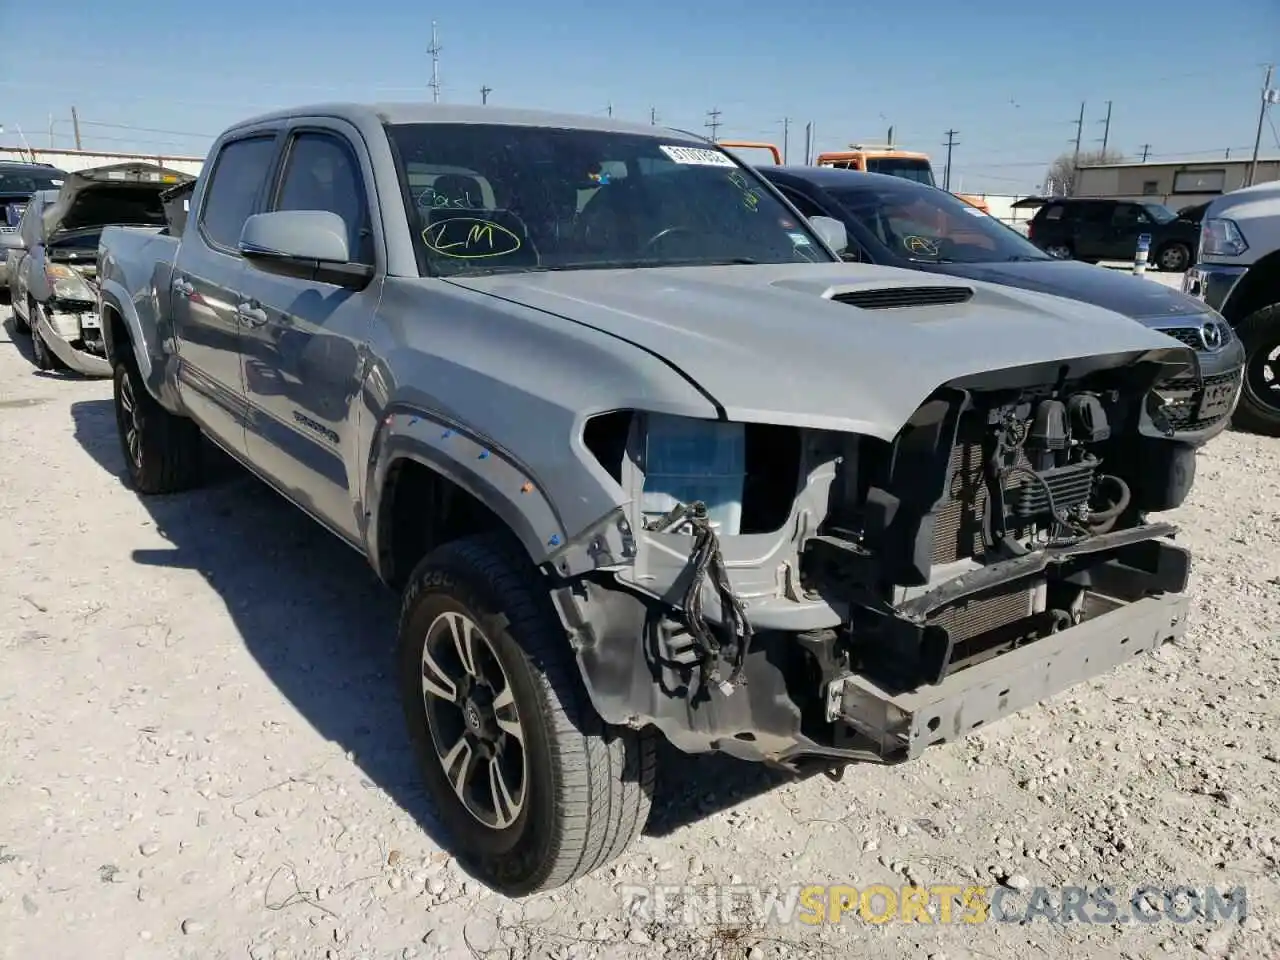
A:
888, 298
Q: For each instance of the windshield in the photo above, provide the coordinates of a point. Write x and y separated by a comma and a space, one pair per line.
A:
907, 168
13, 181
932, 226
1160, 213
487, 198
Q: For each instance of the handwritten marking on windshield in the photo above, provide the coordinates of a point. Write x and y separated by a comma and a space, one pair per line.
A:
469, 238
750, 199
432, 200
922, 245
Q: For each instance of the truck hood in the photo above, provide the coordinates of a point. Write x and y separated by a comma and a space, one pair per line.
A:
1151, 303
121, 193
770, 345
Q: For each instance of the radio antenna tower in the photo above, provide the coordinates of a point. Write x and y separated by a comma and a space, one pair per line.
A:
434, 50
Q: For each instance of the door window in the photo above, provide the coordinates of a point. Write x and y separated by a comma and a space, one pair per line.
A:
1130, 215
322, 173
239, 172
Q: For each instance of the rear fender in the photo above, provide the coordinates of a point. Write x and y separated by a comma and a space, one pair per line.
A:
144, 340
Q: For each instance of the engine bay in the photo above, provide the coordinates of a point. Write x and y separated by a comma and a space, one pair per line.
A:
999, 517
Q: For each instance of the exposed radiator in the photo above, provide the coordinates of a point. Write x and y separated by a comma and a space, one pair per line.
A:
977, 615
957, 533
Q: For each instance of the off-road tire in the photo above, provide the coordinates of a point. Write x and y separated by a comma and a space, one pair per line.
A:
1260, 331
589, 785
167, 457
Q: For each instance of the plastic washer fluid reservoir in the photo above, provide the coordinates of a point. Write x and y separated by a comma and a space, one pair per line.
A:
686, 460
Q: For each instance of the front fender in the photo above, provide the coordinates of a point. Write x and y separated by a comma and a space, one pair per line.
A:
490, 474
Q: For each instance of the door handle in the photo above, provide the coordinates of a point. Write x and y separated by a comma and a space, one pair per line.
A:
183, 287
251, 314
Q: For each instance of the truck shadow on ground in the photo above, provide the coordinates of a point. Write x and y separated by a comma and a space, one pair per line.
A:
322, 626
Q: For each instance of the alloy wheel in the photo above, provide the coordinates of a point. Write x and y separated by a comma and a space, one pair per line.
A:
129, 420
1262, 373
474, 723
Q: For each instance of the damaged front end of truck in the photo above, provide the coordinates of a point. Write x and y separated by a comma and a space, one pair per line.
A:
863, 598
68, 318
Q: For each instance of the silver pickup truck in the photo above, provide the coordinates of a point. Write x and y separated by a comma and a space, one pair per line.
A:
644, 456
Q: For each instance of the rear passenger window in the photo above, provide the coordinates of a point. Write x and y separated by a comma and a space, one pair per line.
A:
322, 173
238, 174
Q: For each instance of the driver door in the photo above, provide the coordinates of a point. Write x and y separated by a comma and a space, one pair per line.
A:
1128, 221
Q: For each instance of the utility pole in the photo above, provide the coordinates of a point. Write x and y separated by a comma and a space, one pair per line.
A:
786, 135
1146, 150
713, 123
484, 94
1106, 131
434, 50
1267, 97
653, 116
808, 143
1075, 159
75, 125
951, 142
610, 108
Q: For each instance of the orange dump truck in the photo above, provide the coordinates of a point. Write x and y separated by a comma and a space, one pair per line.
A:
892, 161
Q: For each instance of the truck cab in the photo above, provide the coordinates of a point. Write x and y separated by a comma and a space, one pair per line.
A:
1237, 273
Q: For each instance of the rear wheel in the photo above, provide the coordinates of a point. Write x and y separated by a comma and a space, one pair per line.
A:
161, 450
1259, 407
1060, 251
533, 787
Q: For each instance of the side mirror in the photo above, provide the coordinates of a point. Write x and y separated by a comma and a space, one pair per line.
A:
832, 232
305, 244
11, 241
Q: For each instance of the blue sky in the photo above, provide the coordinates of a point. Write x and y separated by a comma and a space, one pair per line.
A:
1183, 76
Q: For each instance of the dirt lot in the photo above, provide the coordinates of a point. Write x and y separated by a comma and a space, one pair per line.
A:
203, 755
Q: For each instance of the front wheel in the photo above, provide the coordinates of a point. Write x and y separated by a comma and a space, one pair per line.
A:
45, 358
1259, 407
533, 787
162, 450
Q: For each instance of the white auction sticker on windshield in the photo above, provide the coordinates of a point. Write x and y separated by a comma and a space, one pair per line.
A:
697, 156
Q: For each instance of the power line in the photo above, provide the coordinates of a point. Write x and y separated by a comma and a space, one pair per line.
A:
946, 174
713, 123
434, 50
129, 126
484, 94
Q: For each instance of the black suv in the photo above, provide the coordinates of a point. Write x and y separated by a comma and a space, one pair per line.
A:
1093, 230
18, 181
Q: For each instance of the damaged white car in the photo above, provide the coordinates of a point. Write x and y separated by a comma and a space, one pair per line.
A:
53, 258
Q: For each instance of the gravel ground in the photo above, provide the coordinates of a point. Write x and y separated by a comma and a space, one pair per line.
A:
203, 754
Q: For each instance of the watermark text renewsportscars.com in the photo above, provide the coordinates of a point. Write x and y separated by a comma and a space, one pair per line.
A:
816, 904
